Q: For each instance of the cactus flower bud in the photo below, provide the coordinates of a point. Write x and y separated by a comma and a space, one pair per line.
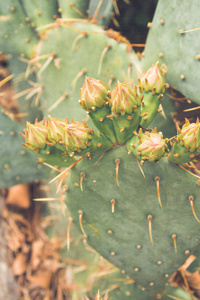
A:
56, 129
93, 93
35, 136
148, 145
76, 136
153, 80
189, 135
124, 99
186, 144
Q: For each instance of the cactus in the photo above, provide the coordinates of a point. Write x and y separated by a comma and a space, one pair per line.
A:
154, 211
128, 190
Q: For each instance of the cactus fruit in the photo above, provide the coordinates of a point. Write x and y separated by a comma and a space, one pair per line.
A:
154, 211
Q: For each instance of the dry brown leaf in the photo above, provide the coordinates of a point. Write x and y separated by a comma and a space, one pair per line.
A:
37, 249
19, 265
42, 280
188, 281
18, 195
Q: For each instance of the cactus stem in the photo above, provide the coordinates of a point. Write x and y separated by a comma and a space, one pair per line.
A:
82, 175
175, 244
57, 102
117, 161
81, 224
102, 57
150, 228
157, 179
80, 36
191, 199
113, 205
68, 232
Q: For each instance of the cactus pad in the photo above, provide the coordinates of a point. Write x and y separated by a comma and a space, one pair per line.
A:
174, 29
134, 232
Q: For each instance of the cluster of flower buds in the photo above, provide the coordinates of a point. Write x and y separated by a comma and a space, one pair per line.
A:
71, 138
115, 113
147, 145
186, 144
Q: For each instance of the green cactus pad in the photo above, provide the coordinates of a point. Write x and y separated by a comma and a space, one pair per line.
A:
54, 157
163, 120
140, 237
17, 164
41, 12
73, 9
170, 43
74, 58
16, 35
29, 107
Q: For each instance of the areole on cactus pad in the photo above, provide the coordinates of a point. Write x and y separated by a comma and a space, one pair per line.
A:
128, 210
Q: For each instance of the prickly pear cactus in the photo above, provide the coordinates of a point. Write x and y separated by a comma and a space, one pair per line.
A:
128, 191
174, 29
68, 58
131, 201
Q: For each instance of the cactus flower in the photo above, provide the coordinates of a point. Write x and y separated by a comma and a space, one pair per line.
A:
153, 80
56, 128
93, 93
77, 136
35, 136
189, 135
124, 99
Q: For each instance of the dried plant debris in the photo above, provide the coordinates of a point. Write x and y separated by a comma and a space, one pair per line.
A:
186, 280
35, 259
